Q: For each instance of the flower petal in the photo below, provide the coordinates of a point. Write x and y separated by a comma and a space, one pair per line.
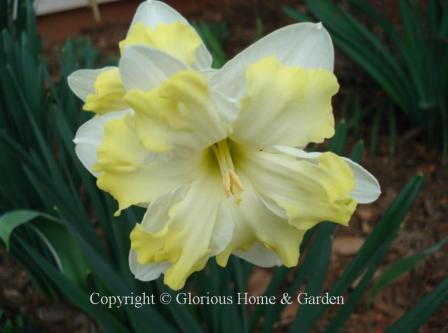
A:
82, 82
157, 217
89, 137
285, 106
305, 192
367, 188
108, 93
185, 239
259, 255
304, 45
152, 13
229, 108
258, 232
180, 114
170, 31
154, 220
146, 68
133, 175
146, 272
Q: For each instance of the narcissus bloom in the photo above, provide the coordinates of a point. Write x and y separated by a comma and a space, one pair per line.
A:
217, 156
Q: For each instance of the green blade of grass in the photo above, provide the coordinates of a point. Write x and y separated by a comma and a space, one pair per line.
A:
395, 270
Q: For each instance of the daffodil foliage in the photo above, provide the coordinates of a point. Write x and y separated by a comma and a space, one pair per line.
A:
217, 156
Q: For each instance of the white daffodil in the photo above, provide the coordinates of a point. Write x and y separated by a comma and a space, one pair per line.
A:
217, 156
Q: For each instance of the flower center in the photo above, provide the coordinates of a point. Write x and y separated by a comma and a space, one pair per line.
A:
231, 181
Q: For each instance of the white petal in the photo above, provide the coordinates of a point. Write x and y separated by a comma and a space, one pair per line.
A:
273, 207
223, 230
186, 237
89, 137
132, 174
228, 108
203, 58
305, 45
209, 72
145, 68
308, 192
146, 272
298, 152
158, 211
260, 236
260, 256
152, 12
192, 118
82, 82
367, 187
285, 105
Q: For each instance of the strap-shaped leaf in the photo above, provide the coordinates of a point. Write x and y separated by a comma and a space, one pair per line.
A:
397, 269
411, 321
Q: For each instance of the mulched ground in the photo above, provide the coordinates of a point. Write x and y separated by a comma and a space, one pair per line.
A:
426, 224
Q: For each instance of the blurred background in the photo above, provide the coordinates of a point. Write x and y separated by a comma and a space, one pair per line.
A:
391, 111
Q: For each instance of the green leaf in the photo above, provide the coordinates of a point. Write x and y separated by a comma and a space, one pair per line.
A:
398, 268
375, 130
338, 141
411, 321
277, 279
213, 36
272, 313
116, 285
182, 315
230, 321
70, 260
357, 151
74, 293
12, 220
314, 270
55, 236
240, 274
295, 14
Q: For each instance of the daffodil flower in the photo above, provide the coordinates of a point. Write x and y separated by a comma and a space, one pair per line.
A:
217, 156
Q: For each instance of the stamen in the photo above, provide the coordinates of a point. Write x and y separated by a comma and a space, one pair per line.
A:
227, 184
231, 181
235, 180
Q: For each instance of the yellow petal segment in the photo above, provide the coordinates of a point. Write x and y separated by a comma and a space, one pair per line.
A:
285, 105
108, 94
255, 224
120, 150
177, 39
185, 240
303, 192
132, 174
178, 114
